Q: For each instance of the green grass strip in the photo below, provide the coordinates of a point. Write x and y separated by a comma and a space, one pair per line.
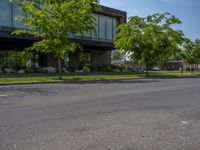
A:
38, 77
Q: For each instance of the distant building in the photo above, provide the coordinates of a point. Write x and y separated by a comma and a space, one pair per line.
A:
178, 64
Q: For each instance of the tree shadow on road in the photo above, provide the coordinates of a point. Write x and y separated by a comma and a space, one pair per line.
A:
123, 81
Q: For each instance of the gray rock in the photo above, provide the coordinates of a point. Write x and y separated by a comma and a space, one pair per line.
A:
9, 70
116, 70
51, 70
21, 71
79, 71
86, 69
65, 70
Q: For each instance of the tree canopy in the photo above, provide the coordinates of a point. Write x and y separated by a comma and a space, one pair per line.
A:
54, 22
191, 51
150, 39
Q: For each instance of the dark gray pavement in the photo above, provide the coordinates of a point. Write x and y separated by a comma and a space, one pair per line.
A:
146, 114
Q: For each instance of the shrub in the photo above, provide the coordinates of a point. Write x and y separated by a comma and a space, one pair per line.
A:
29, 70
86, 69
107, 69
129, 69
39, 70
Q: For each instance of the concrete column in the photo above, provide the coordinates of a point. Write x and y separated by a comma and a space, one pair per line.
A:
101, 58
74, 61
49, 61
42, 60
52, 61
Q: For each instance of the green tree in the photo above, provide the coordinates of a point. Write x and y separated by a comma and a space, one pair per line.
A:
197, 50
149, 40
191, 52
18, 60
54, 22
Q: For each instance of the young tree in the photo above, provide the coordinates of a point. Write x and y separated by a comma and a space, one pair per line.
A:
54, 22
150, 39
197, 50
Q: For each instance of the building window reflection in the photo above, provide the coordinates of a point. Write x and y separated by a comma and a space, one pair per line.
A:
109, 28
17, 24
5, 14
105, 25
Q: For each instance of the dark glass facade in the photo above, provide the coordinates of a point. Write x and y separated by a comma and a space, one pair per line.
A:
105, 25
97, 45
6, 19
105, 28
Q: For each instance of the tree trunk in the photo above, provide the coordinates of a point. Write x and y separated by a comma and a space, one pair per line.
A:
196, 67
59, 68
34, 66
147, 64
147, 70
182, 68
191, 68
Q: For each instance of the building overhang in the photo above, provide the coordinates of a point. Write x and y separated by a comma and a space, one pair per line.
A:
20, 42
122, 15
14, 42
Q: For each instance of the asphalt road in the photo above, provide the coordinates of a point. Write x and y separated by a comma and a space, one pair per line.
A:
153, 114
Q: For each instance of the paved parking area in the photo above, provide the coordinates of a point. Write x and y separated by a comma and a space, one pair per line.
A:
142, 114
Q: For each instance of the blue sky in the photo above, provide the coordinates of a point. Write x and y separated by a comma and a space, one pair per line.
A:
186, 10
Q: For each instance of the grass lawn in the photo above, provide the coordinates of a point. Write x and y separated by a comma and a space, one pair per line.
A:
38, 77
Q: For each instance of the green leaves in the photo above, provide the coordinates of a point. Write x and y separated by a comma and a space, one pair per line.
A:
150, 39
53, 21
191, 51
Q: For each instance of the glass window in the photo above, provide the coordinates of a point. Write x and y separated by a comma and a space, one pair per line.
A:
5, 14
105, 28
86, 34
114, 27
78, 35
109, 28
95, 35
102, 27
17, 13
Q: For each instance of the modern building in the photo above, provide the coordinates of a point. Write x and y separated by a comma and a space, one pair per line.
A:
96, 47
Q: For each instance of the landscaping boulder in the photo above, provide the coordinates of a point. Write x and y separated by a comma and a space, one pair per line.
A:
43, 70
116, 70
79, 71
21, 71
86, 69
65, 70
9, 70
50, 70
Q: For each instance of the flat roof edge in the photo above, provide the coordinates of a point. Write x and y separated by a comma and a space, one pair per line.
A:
112, 9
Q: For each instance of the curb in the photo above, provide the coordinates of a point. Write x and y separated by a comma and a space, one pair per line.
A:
71, 81
96, 81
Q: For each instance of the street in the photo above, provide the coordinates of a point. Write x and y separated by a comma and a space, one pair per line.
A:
140, 114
